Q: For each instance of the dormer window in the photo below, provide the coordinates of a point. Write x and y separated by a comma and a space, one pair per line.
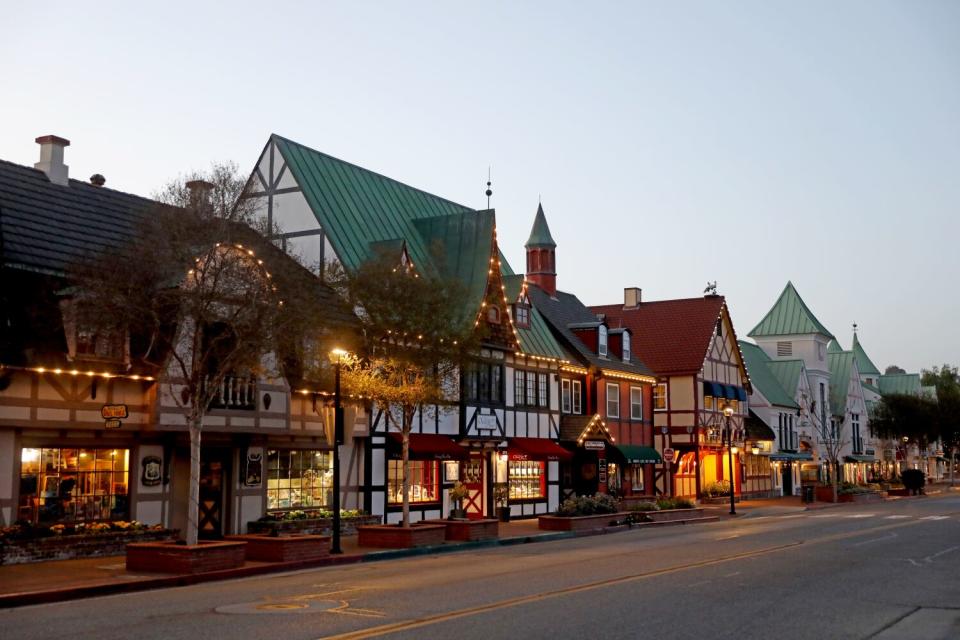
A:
87, 339
493, 315
626, 346
521, 314
602, 340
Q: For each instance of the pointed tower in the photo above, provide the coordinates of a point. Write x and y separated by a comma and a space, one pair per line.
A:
541, 255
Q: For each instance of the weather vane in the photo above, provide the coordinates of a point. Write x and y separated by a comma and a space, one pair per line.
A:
489, 191
711, 289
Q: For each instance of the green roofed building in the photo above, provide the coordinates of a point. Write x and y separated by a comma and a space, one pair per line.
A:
328, 210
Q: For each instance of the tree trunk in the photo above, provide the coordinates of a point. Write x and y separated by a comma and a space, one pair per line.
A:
953, 462
193, 502
836, 480
407, 425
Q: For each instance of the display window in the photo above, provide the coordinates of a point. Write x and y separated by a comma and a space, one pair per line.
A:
74, 485
528, 479
636, 478
298, 478
424, 481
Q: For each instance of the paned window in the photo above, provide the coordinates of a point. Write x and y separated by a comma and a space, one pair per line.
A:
636, 403
299, 478
521, 313
519, 387
528, 479
529, 388
613, 401
565, 399
626, 346
602, 340
708, 403
531, 399
424, 481
577, 387
542, 385
483, 382
660, 397
74, 485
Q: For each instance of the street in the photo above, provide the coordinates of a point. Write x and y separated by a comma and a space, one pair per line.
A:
890, 570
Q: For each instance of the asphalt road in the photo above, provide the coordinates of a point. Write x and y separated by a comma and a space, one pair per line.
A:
888, 570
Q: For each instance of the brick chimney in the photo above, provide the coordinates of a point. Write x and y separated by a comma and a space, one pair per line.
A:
631, 297
51, 159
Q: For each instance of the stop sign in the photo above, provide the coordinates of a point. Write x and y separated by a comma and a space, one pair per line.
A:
669, 454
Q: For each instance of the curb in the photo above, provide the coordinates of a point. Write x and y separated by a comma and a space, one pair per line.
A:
11, 600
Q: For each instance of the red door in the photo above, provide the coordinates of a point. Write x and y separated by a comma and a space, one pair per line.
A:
473, 479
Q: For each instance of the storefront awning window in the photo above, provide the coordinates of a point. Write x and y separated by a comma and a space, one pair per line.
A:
713, 389
858, 458
538, 449
635, 454
426, 446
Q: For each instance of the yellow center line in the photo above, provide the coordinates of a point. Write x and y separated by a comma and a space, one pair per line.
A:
416, 623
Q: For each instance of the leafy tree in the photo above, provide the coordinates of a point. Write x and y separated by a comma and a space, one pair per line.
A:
417, 334
892, 369
207, 300
946, 379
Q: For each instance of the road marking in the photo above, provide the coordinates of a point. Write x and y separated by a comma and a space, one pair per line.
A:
827, 515
429, 620
935, 518
730, 575
793, 515
896, 517
860, 544
941, 553
860, 515
736, 535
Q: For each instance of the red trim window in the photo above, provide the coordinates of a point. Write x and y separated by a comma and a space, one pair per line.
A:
528, 479
424, 481
660, 396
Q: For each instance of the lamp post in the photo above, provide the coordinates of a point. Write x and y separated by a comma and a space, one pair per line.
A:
337, 440
727, 413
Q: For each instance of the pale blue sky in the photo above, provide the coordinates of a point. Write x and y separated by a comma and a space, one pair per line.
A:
673, 143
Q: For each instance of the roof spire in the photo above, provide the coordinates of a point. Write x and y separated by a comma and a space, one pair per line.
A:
489, 191
854, 328
540, 233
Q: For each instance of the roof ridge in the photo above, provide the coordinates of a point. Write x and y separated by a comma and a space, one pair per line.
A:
371, 172
79, 182
652, 302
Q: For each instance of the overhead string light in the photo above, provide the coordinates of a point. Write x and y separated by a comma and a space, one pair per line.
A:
58, 371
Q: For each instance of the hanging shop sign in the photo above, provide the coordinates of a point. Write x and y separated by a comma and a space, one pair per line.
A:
595, 445
254, 469
152, 471
112, 424
113, 411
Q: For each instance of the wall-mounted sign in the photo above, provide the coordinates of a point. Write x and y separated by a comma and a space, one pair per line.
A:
112, 424
595, 445
254, 469
669, 454
152, 471
113, 411
602, 475
486, 422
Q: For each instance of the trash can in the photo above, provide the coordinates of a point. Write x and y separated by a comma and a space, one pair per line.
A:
807, 493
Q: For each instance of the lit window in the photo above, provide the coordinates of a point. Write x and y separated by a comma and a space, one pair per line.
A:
636, 403
424, 481
528, 479
602, 338
626, 346
660, 397
299, 478
613, 401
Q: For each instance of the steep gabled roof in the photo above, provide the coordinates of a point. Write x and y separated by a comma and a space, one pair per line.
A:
535, 339
540, 233
864, 363
763, 379
47, 227
358, 207
789, 316
841, 364
901, 383
566, 309
787, 373
670, 336
834, 347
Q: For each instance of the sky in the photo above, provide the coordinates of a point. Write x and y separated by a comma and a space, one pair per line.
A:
671, 144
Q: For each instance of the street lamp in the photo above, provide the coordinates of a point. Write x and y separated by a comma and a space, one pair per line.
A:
728, 412
337, 441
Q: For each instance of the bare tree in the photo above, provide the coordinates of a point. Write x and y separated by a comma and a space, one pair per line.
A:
832, 443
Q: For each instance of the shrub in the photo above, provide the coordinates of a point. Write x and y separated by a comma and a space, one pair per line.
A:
644, 506
848, 488
717, 489
675, 503
913, 479
587, 505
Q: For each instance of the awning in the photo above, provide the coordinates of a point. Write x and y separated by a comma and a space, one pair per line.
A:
713, 389
790, 457
538, 449
741, 394
426, 446
729, 392
757, 429
635, 454
858, 458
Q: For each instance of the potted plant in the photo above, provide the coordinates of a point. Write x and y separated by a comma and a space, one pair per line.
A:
501, 494
458, 493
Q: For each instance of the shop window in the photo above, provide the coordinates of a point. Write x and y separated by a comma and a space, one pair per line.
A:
577, 391
687, 464
613, 401
299, 478
636, 478
708, 403
528, 479
424, 481
74, 485
565, 399
660, 397
636, 403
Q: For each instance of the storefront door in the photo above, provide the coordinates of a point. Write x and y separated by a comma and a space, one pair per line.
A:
787, 479
213, 475
473, 479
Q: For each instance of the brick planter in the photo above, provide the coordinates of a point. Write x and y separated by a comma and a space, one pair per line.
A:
579, 523
166, 557
312, 526
899, 492
89, 545
719, 500
293, 548
627, 502
825, 494
463, 530
670, 515
394, 537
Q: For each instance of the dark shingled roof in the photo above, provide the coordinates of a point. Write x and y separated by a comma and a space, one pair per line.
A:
45, 227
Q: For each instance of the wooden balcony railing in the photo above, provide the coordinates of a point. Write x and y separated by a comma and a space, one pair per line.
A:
236, 392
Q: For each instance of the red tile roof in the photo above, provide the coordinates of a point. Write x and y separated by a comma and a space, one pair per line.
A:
670, 336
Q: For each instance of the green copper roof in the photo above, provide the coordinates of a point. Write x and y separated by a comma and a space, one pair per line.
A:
864, 364
537, 339
789, 316
540, 233
902, 383
358, 207
787, 373
834, 347
762, 378
841, 365
868, 386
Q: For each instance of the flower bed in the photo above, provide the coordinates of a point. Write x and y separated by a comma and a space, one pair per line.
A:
169, 557
846, 494
394, 537
293, 548
22, 544
310, 522
581, 523
463, 530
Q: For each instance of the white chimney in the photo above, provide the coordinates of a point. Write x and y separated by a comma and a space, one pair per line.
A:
631, 297
51, 159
